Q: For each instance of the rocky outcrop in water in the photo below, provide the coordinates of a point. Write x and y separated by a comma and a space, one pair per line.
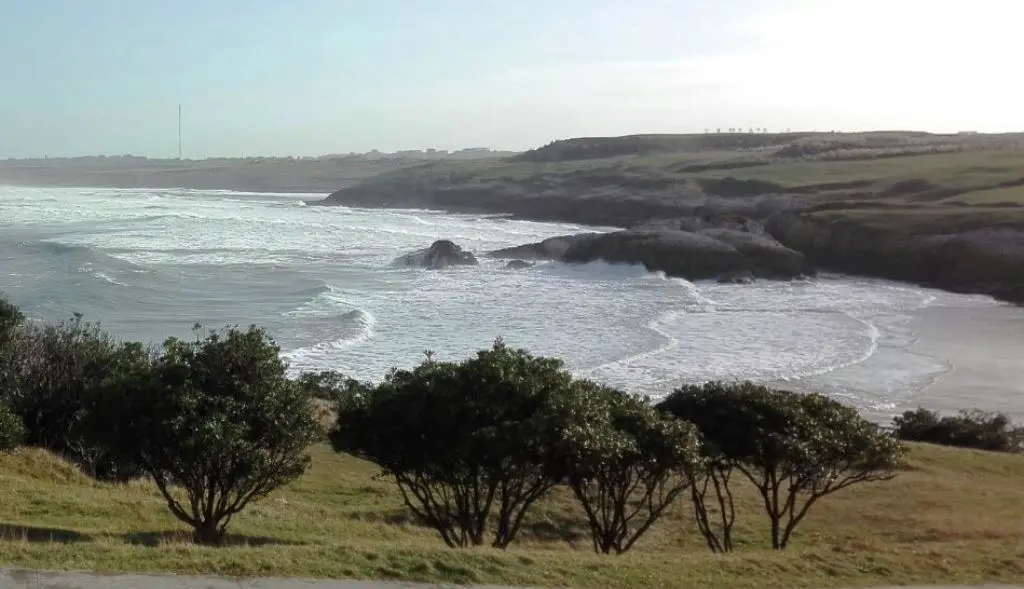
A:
552, 248
441, 254
693, 248
738, 277
518, 265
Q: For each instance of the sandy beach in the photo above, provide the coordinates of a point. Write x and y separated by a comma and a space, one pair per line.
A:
985, 348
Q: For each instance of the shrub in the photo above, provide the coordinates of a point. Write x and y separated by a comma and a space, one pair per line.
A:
10, 318
329, 385
464, 439
54, 377
794, 448
216, 418
12, 430
626, 464
968, 429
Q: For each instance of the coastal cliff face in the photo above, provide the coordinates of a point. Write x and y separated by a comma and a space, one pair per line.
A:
982, 260
696, 248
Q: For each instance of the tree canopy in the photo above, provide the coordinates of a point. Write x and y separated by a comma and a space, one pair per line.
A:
216, 424
626, 464
464, 439
794, 448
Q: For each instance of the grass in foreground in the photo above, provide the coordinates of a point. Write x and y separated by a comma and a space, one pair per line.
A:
954, 516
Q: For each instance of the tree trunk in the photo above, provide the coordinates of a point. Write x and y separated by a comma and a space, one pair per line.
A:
208, 534
775, 532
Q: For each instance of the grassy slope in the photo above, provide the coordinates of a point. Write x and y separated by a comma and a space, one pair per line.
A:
987, 171
953, 516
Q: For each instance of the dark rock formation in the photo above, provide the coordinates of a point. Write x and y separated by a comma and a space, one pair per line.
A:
692, 255
968, 259
676, 253
696, 249
707, 221
441, 254
552, 248
518, 265
738, 277
768, 257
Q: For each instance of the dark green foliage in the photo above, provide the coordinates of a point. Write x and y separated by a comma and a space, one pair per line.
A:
56, 378
217, 418
329, 385
10, 318
464, 439
12, 430
626, 464
794, 448
695, 404
968, 429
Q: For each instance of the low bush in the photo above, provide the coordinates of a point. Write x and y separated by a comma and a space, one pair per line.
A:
55, 377
12, 430
968, 429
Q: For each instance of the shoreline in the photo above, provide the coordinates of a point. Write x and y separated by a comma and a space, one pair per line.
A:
945, 357
984, 358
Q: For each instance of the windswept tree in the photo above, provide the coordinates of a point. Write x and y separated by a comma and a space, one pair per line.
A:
216, 424
794, 448
464, 440
712, 491
626, 464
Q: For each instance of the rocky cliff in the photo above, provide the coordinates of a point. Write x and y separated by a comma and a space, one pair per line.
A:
972, 259
697, 248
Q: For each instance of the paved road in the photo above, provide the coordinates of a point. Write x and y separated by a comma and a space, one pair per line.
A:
54, 580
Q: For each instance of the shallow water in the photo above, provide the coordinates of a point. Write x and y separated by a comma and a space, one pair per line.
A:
148, 264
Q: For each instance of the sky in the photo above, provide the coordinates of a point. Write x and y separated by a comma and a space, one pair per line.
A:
309, 77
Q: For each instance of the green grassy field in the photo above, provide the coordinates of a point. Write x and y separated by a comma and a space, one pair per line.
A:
964, 169
981, 175
952, 516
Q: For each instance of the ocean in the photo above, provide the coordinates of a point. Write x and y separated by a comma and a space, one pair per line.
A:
147, 264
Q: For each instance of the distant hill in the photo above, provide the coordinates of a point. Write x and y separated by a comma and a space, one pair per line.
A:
780, 145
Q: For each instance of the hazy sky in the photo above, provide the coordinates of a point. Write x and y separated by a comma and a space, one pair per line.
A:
323, 76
